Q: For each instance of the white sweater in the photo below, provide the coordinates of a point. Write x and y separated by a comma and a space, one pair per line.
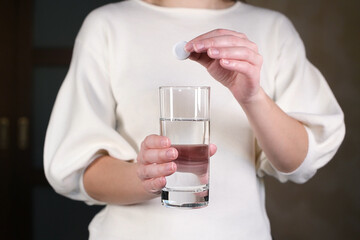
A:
109, 103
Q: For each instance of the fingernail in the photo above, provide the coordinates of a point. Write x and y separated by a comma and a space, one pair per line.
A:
199, 46
170, 153
171, 166
164, 142
188, 47
214, 51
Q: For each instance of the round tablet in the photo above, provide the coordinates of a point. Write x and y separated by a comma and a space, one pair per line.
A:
179, 51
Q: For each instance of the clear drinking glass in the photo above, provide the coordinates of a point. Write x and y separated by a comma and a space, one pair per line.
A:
185, 120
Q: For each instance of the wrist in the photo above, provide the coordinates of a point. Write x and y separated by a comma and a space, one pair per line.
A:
257, 100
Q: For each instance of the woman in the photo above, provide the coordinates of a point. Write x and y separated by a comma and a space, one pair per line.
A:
272, 113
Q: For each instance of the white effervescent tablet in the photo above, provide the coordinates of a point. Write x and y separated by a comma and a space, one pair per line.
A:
179, 50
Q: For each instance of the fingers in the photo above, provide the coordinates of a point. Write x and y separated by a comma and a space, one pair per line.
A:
213, 34
153, 176
150, 171
154, 162
149, 156
201, 58
223, 44
243, 67
155, 141
236, 53
155, 185
220, 41
156, 149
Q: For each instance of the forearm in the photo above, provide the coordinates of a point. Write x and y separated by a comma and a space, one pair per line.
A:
283, 139
114, 181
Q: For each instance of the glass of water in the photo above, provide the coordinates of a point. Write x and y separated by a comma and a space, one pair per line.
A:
185, 120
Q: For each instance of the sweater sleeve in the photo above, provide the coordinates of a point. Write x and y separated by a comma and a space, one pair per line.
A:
82, 126
303, 93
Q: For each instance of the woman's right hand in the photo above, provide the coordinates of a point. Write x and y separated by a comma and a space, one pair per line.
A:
155, 162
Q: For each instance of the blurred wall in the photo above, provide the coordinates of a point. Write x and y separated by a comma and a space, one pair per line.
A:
328, 206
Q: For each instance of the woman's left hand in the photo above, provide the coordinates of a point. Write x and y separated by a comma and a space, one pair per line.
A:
232, 59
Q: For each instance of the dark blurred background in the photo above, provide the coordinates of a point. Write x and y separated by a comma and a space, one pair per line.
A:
35, 48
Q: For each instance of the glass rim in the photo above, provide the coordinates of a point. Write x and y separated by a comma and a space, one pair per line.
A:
184, 87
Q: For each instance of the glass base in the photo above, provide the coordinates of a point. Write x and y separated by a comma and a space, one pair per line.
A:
183, 199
